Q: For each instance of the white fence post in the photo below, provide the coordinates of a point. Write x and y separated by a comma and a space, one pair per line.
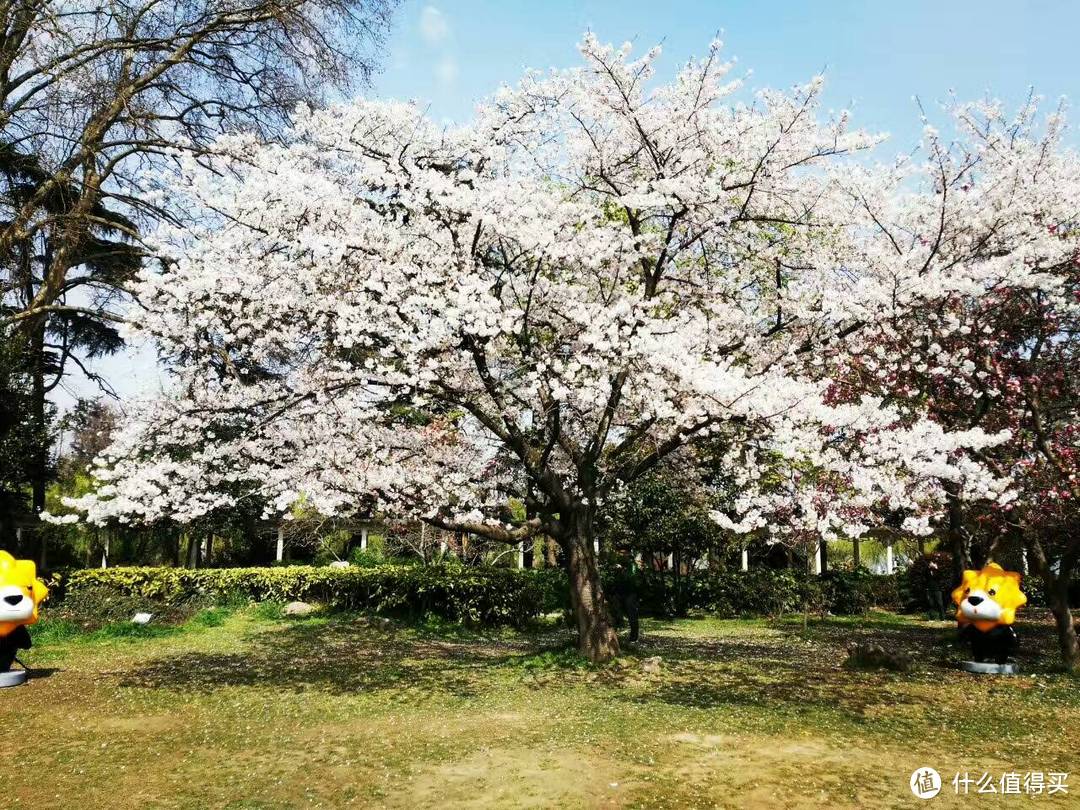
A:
280, 552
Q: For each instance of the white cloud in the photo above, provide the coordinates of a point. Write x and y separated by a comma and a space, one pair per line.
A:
447, 70
434, 27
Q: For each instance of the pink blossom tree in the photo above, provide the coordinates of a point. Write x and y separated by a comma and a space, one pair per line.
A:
1002, 356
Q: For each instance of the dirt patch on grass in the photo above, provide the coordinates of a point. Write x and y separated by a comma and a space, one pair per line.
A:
519, 777
766, 772
805, 771
139, 724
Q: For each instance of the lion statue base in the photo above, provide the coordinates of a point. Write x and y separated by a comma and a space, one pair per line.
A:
987, 668
13, 677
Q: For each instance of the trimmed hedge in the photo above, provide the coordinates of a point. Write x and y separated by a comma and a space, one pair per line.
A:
854, 592
476, 596
473, 596
764, 592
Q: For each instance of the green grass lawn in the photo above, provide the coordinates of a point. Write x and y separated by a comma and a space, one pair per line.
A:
244, 709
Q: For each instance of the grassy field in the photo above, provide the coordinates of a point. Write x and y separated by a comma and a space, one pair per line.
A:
244, 709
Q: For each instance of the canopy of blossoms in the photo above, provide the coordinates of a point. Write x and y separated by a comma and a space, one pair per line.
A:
594, 273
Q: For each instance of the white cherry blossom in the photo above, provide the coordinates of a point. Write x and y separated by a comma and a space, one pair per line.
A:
550, 300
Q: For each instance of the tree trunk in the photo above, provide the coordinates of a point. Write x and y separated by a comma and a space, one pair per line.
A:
597, 640
1056, 584
552, 559
39, 467
959, 539
1066, 629
193, 555
806, 599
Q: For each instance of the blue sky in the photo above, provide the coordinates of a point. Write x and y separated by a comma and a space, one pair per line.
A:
876, 55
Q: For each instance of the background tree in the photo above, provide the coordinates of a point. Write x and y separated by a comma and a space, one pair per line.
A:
665, 517
666, 512
90, 425
107, 261
19, 438
94, 97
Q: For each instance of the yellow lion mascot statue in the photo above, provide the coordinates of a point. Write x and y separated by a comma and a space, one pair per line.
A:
986, 603
21, 594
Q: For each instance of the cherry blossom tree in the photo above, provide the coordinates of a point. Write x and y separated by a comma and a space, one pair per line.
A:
1002, 356
546, 303
1022, 352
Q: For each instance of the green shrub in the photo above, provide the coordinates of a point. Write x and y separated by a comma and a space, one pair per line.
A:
367, 559
758, 592
850, 593
916, 580
761, 592
477, 596
470, 595
94, 603
374, 554
885, 591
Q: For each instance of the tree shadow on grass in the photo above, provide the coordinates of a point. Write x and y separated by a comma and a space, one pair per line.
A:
797, 671
788, 670
822, 646
937, 643
340, 656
